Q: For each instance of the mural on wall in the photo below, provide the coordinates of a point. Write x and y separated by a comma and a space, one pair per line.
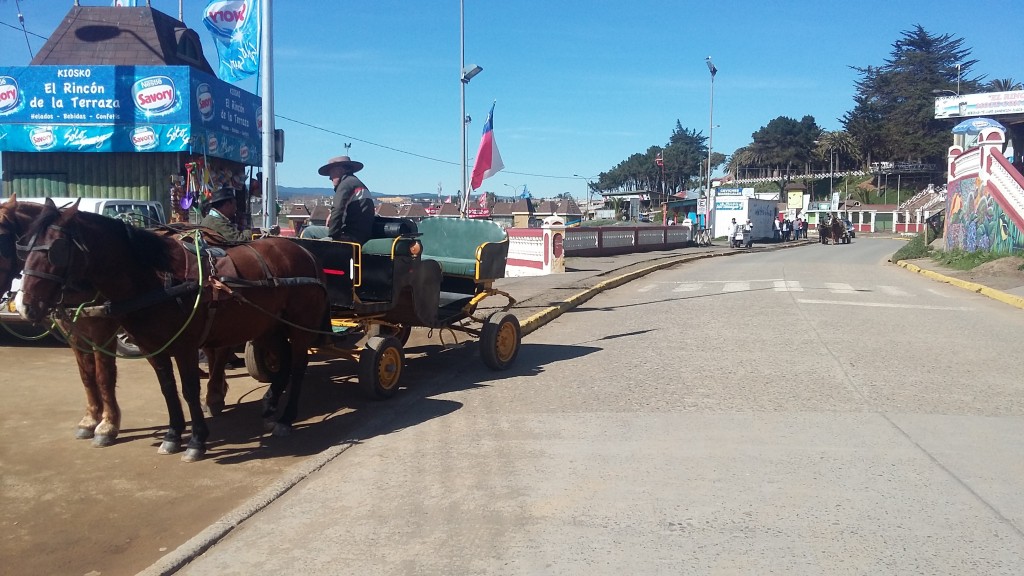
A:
976, 222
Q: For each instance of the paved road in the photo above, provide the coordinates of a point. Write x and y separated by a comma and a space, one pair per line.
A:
809, 411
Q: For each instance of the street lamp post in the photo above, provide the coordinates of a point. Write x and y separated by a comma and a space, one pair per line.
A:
465, 75
515, 191
831, 173
590, 188
711, 135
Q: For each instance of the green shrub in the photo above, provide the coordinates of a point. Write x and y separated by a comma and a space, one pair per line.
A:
916, 248
960, 260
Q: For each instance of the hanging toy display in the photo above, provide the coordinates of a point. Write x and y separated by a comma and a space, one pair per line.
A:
178, 214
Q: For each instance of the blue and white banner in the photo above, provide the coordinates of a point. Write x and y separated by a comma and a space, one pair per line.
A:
126, 109
235, 26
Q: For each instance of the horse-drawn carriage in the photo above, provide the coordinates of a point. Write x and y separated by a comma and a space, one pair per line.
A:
433, 275
284, 296
834, 231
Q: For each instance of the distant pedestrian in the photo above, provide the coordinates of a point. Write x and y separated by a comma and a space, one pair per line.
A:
776, 230
748, 233
785, 230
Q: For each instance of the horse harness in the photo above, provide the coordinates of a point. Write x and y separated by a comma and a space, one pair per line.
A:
222, 276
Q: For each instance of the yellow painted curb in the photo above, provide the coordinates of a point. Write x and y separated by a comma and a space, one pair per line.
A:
1015, 301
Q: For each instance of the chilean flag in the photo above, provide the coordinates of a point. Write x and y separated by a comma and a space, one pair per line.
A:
488, 160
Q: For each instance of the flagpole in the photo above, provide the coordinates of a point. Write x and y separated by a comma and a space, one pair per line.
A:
267, 88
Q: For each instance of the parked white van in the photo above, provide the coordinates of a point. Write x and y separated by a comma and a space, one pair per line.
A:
142, 213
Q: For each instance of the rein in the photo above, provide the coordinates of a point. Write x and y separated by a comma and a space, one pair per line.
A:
60, 252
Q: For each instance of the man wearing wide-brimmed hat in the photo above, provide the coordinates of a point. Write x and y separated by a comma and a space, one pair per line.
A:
221, 216
352, 213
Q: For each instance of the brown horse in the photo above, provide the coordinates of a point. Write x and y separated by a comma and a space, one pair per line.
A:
102, 420
173, 302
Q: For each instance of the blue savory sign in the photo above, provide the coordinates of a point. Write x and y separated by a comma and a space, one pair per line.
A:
126, 109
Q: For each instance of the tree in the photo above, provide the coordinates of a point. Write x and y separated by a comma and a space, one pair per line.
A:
682, 158
841, 146
1004, 85
784, 144
893, 116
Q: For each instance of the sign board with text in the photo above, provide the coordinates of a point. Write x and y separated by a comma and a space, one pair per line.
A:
985, 104
80, 108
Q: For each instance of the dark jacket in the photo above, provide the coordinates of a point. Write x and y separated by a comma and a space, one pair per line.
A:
352, 213
218, 223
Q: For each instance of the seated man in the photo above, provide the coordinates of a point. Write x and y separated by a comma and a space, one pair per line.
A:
352, 213
221, 217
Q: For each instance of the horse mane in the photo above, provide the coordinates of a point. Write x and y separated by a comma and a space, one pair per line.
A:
145, 246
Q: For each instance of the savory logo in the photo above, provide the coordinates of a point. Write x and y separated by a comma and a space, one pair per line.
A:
9, 94
204, 100
155, 95
144, 138
42, 137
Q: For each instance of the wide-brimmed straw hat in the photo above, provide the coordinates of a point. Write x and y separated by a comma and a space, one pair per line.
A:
348, 163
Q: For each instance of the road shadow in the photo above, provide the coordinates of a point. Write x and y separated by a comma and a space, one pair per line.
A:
334, 411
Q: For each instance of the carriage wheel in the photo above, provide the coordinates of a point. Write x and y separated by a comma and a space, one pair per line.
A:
126, 346
380, 367
500, 340
261, 363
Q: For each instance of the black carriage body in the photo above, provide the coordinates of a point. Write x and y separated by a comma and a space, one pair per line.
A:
412, 275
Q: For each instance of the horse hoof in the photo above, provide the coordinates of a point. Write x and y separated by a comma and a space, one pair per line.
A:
282, 430
83, 433
193, 455
269, 425
103, 440
212, 410
168, 447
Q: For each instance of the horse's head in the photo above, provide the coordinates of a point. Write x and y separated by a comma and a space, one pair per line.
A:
54, 258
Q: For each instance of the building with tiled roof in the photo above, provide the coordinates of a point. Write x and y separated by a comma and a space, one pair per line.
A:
522, 212
387, 210
449, 210
501, 213
116, 36
319, 215
413, 211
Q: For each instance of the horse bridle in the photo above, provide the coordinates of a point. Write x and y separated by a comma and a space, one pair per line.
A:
60, 253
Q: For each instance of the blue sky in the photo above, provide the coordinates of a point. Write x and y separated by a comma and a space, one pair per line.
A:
580, 85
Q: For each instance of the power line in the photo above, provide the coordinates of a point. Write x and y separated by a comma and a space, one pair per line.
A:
308, 125
329, 131
2, 23
21, 19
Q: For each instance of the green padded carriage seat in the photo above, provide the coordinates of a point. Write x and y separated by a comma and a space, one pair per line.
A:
463, 247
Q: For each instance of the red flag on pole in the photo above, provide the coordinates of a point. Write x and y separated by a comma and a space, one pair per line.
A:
488, 160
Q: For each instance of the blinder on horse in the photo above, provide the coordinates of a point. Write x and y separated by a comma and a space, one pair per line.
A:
59, 253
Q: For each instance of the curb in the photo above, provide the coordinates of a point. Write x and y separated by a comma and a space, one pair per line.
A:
1015, 301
